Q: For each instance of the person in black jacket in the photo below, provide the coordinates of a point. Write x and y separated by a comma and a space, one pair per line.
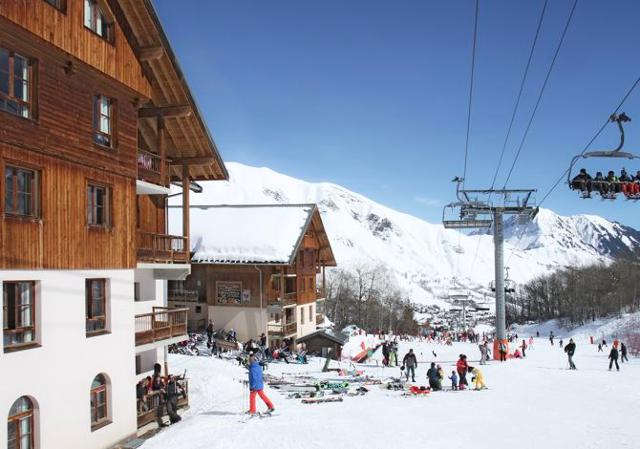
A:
613, 358
582, 182
435, 382
410, 362
623, 353
173, 391
570, 349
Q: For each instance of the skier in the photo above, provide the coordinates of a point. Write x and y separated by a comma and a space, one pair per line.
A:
477, 378
613, 357
434, 378
157, 384
537, 334
454, 380
410, 362
385, 354
524, 348
483, 353
173, 390
570, 349
256, 386
599, 347
503, 351
551, 337
623, 353
561, 345
461, 367
210, 331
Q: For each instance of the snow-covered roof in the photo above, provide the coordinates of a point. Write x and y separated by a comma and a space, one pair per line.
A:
250, 234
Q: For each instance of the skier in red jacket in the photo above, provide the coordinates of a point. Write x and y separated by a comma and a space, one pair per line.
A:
461, 367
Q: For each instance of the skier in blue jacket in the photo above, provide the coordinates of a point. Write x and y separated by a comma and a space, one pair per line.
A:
256, 386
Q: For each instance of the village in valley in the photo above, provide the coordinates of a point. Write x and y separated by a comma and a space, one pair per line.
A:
157, 295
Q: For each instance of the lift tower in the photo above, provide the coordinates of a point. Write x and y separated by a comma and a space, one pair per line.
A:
482, 209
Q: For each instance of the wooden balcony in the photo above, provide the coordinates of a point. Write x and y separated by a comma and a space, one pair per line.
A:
320, 293
150, 168
162, 248
319, 318
147, 406
282, 330
161, 324
289, 299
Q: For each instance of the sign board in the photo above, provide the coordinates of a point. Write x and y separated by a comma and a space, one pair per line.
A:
229, 292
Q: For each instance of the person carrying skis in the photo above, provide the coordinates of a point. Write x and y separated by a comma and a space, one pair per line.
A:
613, 358
478, 378
410, 362
623, 353
256, 386
461, 367
434, 378
570, 349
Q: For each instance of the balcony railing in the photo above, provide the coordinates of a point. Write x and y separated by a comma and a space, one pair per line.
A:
320, 293
289, 298
282, 329
183, 295
319, 318
150, 168
162, 248
148, 405
161, 324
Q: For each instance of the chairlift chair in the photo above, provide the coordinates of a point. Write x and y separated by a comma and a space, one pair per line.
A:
619, 119
454, 216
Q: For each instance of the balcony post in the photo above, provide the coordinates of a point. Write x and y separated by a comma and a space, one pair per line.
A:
185, 207
161, 150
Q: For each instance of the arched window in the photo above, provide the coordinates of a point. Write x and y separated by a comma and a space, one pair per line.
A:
99, 402
20, 433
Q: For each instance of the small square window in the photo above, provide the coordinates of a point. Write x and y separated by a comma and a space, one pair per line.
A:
98, 206
19, 313
21, 194
97, 21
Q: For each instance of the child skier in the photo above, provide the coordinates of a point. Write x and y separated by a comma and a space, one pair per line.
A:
477, 378
454, 380
256, 386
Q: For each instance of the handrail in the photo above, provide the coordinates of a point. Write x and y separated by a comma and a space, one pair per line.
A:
163, 248
160, 324
146, 407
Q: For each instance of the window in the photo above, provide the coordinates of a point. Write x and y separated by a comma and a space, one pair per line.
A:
103, 108
96, 306
96, 20
15, 83
136, 291
20, 430
301, 315
99, 402
19, 315
311, 314
58, 4
98, 206
21, 196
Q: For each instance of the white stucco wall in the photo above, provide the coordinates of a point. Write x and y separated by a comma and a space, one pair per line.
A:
248, 322
309, 326
58, 374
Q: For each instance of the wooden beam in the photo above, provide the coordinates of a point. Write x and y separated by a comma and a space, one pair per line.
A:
150, 53
164, 111
160, 142
185, 204
193, 160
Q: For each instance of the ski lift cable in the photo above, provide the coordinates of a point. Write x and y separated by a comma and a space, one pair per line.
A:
522, 84
543, 88
473, 66
513, 114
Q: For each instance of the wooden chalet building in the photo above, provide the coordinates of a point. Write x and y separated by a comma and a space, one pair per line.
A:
259, 268
96, 122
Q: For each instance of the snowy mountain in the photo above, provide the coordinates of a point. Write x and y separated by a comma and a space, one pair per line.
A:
426, 257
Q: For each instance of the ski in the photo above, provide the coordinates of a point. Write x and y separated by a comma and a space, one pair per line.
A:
321, 400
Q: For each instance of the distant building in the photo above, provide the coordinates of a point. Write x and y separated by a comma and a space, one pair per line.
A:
260, 268
325, 343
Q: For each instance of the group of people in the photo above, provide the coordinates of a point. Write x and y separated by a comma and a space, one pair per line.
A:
435, 374
390, 353
167, 389
618, 351
607, 186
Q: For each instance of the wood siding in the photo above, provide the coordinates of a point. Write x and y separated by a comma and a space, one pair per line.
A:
66, 31
151, 214
58, 142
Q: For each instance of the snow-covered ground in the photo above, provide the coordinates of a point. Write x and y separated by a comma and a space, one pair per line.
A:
531, 403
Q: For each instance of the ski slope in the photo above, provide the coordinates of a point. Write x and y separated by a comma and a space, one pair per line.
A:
531, 403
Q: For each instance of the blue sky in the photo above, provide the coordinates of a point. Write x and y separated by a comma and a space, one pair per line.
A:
372, 94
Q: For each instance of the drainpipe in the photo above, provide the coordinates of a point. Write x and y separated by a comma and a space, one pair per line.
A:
262, 326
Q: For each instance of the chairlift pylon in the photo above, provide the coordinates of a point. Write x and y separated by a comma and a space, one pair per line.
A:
602, 187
